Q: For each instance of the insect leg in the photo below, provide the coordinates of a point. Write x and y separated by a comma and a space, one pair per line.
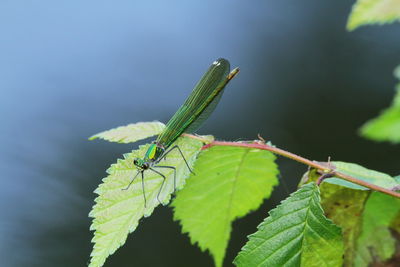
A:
163, 176
144, 193
131, 181
169, 167
180, 151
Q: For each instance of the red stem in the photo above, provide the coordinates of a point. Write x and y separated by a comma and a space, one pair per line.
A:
300, 159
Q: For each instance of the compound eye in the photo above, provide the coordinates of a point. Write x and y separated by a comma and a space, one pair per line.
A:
145, 165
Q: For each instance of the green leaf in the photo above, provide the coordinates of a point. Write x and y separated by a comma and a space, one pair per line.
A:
364, 218
117, 211
373, 12
295, 234
229, 183
131, 132
385, 127
344, 207
376, 242
361, 173
395, 225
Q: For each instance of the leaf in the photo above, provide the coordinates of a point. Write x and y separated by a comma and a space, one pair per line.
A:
295, 234
229, 183
344, 206
373, 12
395, 225
385, 127
376, 242
361, 173
131, 133
362, 216
117, 212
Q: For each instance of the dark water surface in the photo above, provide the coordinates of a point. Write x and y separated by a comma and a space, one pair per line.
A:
71, 69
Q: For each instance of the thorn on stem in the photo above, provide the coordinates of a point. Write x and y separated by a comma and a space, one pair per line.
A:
324, 176
261, 138
396, 188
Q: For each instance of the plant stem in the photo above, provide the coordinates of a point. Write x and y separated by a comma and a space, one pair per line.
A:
314, 164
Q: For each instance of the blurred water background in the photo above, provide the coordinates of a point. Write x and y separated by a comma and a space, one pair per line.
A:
73, 68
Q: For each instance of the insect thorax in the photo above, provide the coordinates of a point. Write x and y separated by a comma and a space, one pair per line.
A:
154, 152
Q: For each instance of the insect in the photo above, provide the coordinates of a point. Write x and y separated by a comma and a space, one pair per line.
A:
189, 117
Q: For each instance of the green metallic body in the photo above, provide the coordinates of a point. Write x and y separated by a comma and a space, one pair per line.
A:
189, 117
206, 94
194, 111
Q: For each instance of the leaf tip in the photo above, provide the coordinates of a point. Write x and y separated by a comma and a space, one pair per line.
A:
93, 137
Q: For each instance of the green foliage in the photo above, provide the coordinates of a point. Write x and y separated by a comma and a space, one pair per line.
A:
373, 12
395, 225
344, 207
361, 173
386, 127
117, 211
295, 234
131, 133
376, 241
365, 218
228, 183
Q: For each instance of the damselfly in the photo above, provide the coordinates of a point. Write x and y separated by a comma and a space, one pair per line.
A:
189, 117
